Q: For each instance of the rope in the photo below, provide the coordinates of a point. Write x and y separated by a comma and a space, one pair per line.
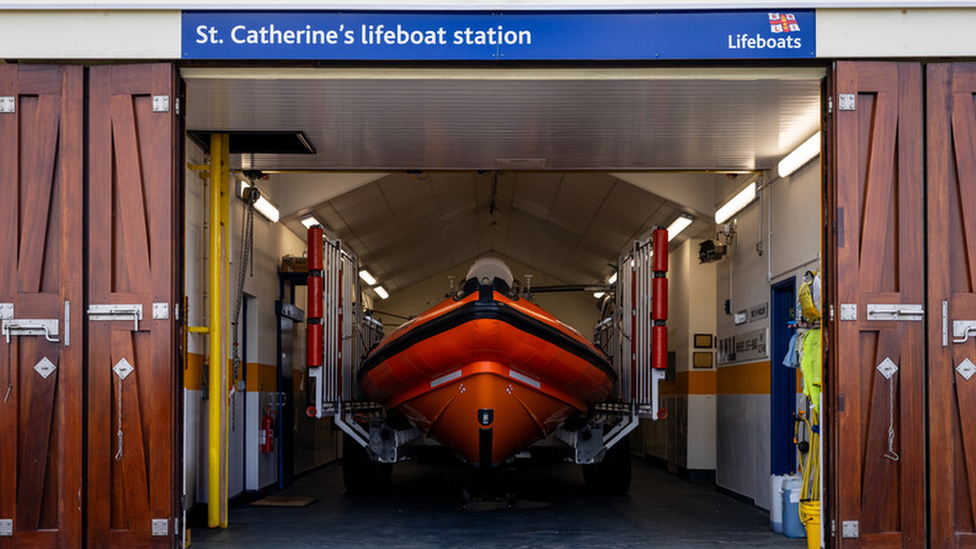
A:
10, 380
118, 455
891, 454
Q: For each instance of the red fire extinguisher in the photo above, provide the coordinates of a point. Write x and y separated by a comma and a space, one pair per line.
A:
267, 432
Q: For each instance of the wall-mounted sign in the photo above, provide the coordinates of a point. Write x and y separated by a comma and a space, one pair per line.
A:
743, 347
703, 341
739, 34
759, 312
703, 360
741, 317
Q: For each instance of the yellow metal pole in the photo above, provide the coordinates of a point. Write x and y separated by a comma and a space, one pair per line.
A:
225, 191
216, 397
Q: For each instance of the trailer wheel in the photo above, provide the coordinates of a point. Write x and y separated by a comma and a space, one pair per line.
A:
612, 475
360, 474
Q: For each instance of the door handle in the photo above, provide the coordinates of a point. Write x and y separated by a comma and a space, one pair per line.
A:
47, 327
962, 329
116, 312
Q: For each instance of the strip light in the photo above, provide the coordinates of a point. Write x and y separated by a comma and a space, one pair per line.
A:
598, 295
734, 206
678, 225
800, 156
263, 206
310, 221
612, 279
367, 277
381, 291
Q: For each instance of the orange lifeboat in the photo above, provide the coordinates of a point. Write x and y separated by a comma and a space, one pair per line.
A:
487, 373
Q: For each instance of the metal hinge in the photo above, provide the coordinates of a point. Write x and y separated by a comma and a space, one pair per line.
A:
177, 105
160, 103
160, 311
6, 527
850, 529
8, 104
830, 105
160, 527
846, 102
896, 311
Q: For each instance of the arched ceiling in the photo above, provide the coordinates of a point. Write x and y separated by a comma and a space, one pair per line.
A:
560, 169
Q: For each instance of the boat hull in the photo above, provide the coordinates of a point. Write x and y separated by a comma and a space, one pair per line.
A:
487, 375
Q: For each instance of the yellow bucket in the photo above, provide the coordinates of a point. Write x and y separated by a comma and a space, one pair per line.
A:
810, 518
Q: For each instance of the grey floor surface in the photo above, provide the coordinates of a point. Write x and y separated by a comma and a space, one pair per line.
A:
553, 510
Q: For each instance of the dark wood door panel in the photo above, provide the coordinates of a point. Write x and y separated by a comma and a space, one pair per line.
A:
41, 175
134, 452
877, 474
951, 152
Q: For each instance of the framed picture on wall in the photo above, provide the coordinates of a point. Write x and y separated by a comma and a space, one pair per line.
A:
703, 360
703, 341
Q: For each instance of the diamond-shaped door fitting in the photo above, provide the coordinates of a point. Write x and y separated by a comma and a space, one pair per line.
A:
45, 367
966, 369
122, 368
887, 368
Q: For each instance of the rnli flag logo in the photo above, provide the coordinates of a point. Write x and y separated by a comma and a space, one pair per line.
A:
783, 22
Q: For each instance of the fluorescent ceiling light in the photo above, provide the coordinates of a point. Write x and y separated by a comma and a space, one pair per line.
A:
310, 222
800, 156
265, 208
381, 291
367, 277
678, 225
612, 279
598, 295
734, 206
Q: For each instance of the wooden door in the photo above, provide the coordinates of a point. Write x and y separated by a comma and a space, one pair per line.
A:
876, 368
40, 284
951, 152
134, 447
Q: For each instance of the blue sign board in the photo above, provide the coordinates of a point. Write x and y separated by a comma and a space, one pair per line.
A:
740, 34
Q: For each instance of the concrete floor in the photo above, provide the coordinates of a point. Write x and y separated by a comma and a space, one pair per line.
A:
554, 509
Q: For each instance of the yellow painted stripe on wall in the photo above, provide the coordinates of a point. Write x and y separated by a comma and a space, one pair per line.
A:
694, 382
745, 379
193, 372
260, 377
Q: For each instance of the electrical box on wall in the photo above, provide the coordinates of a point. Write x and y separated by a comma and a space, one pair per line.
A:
711, 250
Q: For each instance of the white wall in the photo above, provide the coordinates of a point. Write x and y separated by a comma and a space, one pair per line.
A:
792, 206
699, 318
686, 438
271, 241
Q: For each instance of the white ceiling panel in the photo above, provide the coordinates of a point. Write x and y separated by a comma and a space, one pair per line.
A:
582, 122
